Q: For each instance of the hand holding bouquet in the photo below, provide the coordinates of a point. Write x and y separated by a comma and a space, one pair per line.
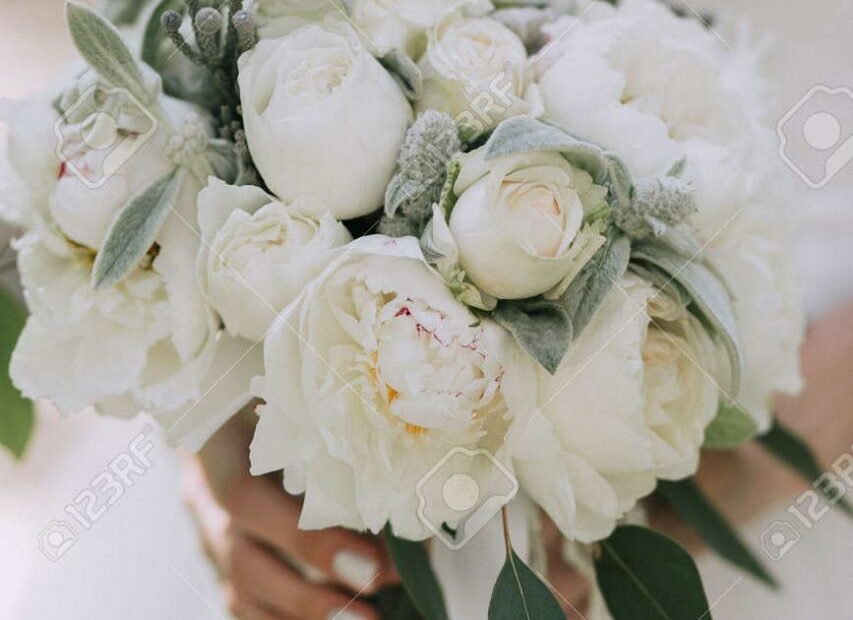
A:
465, 255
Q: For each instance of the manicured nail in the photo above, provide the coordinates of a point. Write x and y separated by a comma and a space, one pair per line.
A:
345, 614
354, 569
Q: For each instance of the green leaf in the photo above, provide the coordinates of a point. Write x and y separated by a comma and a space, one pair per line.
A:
543, 328
16, 412
522, 134
643, 575
694, 508
589, 288
222, 156
413, 565
102, 47
123, 12
520, 595
730, 428
134, 229
405, 71
393, 603
706, 290
791, 450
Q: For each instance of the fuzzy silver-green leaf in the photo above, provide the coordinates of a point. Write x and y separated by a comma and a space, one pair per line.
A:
134, 229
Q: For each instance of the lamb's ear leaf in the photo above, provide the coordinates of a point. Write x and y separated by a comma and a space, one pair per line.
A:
708, 293
100, 44
523, 134
589, 288
222, 156
543, 328
134, 229
731, 428
520, 595
794, 452
643, 575
16, 412
412, 563
693, 507
405, 71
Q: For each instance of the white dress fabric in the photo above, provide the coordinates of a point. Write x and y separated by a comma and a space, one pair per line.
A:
141, 560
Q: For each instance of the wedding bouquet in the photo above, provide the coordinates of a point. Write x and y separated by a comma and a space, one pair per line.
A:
464, 253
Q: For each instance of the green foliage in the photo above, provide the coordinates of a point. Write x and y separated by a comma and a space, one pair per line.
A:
413, 565
16, 412
694, 508
643, 575
520, 595
730, 429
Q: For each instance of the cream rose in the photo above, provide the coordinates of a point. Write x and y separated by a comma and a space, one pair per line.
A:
587, 459
371, 378
258, 253
324, 120
475, 70
519, 222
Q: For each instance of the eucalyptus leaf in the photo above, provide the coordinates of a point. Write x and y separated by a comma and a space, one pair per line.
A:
405, 71
394, 603
693, 507
708, 293
522, 134
102, 47
543, 328
520, 595
643, 575
134, 229
412, 563
16, 412
731, 428
794, 452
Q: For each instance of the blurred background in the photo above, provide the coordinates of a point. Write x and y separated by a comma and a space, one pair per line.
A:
140, 558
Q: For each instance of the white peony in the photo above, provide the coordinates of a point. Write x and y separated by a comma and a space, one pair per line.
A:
403, 24
474, 69
258, 253
754, 257
29, 166
323, 119
519, 222
656, 88
149, 343
371, 378
628, 405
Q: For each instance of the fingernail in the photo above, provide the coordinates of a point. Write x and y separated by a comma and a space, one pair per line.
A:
345, 614
354, 569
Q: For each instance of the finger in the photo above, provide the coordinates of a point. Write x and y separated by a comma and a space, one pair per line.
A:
571, 588
260, 576
261, 508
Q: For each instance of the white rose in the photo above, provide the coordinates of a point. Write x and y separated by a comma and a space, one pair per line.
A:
402, 24
519, 222
28, 163
371, 378
475, 70
655, 88
323, 119
591, 454
258, 254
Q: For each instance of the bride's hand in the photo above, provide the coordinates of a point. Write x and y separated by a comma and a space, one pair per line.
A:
272, 570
